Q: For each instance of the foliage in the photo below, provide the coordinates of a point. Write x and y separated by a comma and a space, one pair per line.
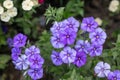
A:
54, 14
3, 61
58, 14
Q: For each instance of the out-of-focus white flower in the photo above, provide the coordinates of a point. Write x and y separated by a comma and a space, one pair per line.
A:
1, 9
27, 5
113, 6
8, 4
99, 21
5, 17
35, 2
12, 12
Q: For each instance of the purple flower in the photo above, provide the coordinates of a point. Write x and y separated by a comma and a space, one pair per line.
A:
82, 46
15, 53
35, 73
115, 75
32, 50
80, 59
68, 36
95, 50
56, 59
57, 27
68, 55
36, 61
71, 23
102, 69
98, 36
21, 63
88, 24
19, 40
57, 42
10, 42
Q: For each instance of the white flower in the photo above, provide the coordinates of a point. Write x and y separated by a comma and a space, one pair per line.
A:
113, 6
5, 17
27, 5
1, 9
102, 69
99, 21
114, 2
8, 4
35, 2
12, 12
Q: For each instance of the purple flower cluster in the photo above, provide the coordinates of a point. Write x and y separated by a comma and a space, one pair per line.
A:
64, 35
31, 62
103, 70
96, 35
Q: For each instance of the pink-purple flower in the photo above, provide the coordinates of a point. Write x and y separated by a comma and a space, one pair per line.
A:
10, 42
57, 42
32, 50
98, 36
68, 36
80, 59
115, 75
102, 69
89, 24
21, 63
71, 23
57, 27
56, 59
95, 50
68, 55
82, 45
36, 61
19, 40
15, 53
36, 73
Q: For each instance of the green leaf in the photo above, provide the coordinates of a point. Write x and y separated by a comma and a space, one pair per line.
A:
3, 60
118, 38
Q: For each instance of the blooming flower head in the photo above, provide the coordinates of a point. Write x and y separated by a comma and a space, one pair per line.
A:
57, 27
68, 36
114, 5
27, 5
89, 24
56, 59
98, 36
15, 53
10, 42
115, 75
35, 2
95, 50
40, 1
71, 23
68, 55
35, 73
21, 63
8, 4
5, 17
1, 9
32, 50
82, 46
102, 69
36, 61
80, 59
19, 40
12, 12
99, 21
57, 42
